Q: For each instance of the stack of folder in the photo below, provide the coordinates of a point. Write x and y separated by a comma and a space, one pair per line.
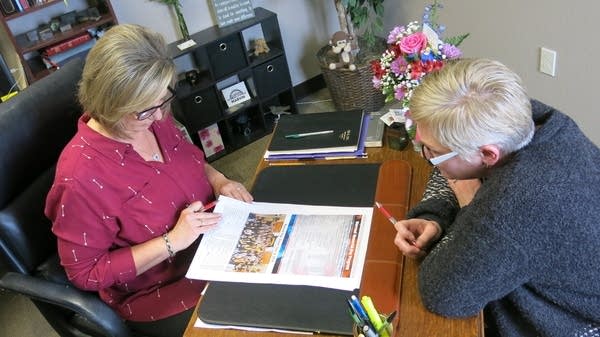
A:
328, 135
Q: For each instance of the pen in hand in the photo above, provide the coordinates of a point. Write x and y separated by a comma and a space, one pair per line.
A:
308, 134
208, 206
391, 219
386, 213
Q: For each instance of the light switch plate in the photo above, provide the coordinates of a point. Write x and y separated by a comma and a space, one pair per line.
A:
548, 61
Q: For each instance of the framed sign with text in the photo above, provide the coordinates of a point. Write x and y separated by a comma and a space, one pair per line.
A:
229, 12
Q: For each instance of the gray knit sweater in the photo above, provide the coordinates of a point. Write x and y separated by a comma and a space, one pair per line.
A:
527, 248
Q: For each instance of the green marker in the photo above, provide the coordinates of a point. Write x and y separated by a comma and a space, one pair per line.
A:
373, 315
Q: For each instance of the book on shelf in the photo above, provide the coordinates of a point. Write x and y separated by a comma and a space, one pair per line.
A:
311, 134
66, 44
57, 60
23, 4
375, 130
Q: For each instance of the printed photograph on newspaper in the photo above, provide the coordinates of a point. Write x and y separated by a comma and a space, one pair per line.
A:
285, 244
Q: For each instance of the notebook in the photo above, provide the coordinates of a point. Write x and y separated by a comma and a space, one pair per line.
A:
336, 131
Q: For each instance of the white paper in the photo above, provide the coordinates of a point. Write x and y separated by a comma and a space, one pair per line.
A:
285, 244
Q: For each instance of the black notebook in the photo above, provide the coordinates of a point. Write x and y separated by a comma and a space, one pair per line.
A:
324, 132
294, 307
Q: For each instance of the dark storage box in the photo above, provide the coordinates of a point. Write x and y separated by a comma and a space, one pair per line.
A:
200, 109
270, 77
226, 55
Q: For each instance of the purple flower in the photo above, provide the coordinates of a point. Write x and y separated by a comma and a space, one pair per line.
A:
399, 93
376, 82
451, 51
398, 66
394, 34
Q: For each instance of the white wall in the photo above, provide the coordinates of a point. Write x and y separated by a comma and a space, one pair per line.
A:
511, 31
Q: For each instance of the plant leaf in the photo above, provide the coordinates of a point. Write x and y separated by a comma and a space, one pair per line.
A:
456, 40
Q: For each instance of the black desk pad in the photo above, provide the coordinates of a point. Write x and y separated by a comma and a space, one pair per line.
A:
292, 307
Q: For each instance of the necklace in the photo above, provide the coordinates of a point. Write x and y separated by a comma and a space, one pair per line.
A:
154, 156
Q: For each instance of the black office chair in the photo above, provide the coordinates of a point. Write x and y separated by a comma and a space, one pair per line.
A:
34, 127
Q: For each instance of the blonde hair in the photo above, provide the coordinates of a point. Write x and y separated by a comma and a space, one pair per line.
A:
126, 70
474, 102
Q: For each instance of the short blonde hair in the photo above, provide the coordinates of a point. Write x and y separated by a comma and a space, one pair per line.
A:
126, 70
474, 102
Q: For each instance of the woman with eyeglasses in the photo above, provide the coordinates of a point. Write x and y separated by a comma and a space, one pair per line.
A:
509, 219
128, 196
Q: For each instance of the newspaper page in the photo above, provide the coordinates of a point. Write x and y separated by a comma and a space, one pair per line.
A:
285, 244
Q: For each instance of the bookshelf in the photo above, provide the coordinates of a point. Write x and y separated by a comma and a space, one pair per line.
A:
16, 24
222, 58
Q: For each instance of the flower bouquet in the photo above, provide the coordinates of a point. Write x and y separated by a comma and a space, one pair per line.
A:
413, 51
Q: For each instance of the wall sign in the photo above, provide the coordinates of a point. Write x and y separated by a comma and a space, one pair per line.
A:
229, 12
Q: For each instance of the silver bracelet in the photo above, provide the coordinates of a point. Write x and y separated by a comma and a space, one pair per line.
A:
169, 247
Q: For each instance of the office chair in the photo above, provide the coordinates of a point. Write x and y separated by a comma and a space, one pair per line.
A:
34, 127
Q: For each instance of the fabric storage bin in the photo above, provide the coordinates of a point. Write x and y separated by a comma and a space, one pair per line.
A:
226, 55
200, 109
271, 76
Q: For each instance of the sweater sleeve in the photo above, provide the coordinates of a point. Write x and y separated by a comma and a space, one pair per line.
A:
438, 203
471, 266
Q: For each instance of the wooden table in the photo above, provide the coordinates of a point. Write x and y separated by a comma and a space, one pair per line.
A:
413, 318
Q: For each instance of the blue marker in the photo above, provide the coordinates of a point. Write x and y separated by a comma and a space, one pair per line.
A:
358, 309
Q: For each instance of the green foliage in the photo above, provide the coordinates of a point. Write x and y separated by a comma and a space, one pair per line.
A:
456, 40
169, 2
367, 18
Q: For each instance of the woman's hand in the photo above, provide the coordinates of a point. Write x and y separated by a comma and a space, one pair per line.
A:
414, 236
233, 189
223, 186
191, 223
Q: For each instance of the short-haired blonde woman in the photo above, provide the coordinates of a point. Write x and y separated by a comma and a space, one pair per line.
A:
126, 203
509, 221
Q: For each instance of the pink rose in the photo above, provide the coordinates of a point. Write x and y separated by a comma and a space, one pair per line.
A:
414, 43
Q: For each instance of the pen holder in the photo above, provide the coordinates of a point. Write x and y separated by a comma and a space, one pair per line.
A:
357, 330
397, 137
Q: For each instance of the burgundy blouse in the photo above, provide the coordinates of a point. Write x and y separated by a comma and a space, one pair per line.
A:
107, 198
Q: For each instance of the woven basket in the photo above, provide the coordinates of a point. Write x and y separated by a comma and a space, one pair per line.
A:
350, 89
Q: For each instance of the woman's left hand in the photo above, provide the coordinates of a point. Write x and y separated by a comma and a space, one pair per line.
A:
235, 190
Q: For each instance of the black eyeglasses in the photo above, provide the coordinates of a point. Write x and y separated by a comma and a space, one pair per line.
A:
426, 153
145, 114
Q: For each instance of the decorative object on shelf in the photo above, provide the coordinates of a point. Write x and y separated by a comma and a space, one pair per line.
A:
349, 90
260, 47
192, 77
414, 51
33, 36
212, 142
69, 18
341, 44
243, 124
229, 12
45, 32
55, 24
88, 14
176, 4
236, 94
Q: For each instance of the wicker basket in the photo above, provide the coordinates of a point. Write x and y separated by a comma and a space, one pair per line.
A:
350, 89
